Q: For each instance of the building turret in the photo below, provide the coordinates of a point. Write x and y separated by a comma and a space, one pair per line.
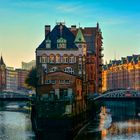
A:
2, 74
79, 37
2, 62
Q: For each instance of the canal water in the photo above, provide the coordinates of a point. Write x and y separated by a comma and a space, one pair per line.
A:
116, 121
15, 121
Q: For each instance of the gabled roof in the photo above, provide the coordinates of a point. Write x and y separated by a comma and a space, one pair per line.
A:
1, 61
62, 72
59, 31
138, 58
124, 60
79, 37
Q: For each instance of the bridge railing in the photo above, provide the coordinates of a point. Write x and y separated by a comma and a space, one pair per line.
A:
117, 94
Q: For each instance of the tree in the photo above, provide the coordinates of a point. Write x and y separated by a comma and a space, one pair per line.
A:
32, 79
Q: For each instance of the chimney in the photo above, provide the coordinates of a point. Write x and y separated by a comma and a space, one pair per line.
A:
47, 29
97, 26
73, 27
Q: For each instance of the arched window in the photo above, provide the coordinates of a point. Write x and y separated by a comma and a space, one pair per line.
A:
53, 69
44, 58
72, 59
52, 58
65, 59
58, 58
69, 70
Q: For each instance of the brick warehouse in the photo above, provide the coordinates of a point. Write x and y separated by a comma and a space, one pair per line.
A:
75, 51
124, 74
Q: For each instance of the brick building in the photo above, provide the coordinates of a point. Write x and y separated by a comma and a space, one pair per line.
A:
22, 75
124, 73
61, 84
2, 74
93, 39
11, 79
75, 51
28, 65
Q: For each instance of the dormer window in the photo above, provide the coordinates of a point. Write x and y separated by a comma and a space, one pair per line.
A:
48, 43
61, 43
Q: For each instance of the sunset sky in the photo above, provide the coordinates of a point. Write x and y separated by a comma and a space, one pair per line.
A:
22, 25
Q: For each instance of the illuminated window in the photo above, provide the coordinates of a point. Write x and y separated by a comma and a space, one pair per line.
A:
58, 58
52, 58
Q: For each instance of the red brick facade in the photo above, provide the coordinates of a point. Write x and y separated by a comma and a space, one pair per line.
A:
79, 54
60, 83
93, 37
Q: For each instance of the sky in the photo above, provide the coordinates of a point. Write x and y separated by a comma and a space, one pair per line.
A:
22, 25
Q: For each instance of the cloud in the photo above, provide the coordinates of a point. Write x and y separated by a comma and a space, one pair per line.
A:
114, 21
30, 4
71, 7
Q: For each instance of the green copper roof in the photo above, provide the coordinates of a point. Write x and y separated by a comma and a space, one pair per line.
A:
79, 37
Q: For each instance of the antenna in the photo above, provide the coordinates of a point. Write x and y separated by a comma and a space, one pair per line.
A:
79, 24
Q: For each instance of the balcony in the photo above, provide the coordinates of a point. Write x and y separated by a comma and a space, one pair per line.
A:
101, 49
101, 55
100, 65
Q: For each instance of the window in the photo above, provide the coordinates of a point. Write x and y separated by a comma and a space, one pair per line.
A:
44, 59
52, 58
61, 81
58, 58
50, 81
53, 81
67, 81
65, 59
53, 69
48, 43
80, 72
69, 70
80, 66
80, 59
40, 59
61, 43
72, 59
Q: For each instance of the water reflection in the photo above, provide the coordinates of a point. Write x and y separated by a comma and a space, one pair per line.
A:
117, 121
15, 125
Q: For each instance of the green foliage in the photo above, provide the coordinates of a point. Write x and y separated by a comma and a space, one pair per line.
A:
32, 79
